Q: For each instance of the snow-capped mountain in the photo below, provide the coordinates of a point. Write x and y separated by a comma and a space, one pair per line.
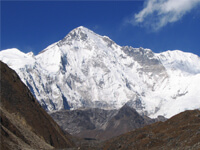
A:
88, 70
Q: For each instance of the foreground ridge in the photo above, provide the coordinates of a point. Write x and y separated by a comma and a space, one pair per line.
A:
179, 132
24, 123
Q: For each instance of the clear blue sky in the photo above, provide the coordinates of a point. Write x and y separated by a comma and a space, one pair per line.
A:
32, 26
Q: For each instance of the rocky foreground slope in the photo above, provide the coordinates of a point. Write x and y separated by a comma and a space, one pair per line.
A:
179, 132
24, 123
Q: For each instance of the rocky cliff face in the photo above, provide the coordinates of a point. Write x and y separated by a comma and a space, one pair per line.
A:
24, 123
101, 124
86, 70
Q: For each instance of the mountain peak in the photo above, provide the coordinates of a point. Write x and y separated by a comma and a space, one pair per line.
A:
126, 111
86, 69
82, 28
78, 34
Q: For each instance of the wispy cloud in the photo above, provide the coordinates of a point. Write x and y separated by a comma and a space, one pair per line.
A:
158, 13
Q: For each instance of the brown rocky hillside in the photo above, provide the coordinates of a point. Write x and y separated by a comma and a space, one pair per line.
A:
24, 124
181, 132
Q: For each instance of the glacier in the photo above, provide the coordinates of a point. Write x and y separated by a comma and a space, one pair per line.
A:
87, 70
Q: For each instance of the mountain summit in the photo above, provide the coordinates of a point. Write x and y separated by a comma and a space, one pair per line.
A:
88, 70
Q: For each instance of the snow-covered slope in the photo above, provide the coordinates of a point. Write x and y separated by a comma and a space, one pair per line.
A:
88, 70
184, 79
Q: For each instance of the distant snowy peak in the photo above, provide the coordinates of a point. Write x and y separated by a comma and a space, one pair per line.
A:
16, 59
177, 60
77, 34
81, 43
13, 51
81, 35
86, 70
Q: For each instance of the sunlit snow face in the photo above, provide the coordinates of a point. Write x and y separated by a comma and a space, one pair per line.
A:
88, 70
